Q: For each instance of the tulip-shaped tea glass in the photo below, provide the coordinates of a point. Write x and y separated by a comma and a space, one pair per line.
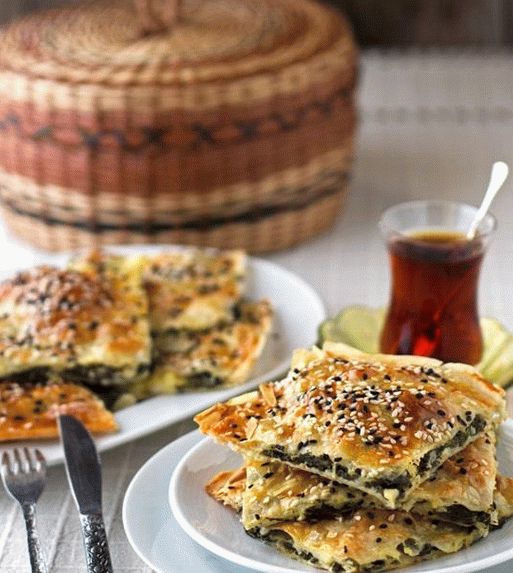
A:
435, 274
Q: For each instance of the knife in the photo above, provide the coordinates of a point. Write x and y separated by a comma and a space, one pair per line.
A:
84, 476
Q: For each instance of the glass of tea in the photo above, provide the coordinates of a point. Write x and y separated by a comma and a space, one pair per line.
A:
435, 273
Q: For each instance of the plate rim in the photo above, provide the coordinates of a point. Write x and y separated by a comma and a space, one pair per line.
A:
132, 486
120, 438
231, 556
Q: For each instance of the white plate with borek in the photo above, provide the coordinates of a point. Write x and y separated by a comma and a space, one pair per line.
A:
201, 535
218, 530
298, 313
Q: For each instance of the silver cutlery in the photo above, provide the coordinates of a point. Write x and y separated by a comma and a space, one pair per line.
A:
24, 475
84, 476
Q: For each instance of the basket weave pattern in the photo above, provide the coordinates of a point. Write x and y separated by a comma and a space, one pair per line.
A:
234, 127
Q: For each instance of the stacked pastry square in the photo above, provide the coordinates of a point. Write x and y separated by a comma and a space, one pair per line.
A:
358, 463
123, 328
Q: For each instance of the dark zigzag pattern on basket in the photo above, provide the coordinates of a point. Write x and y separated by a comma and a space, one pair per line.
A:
334, 184
202, 134
324, 178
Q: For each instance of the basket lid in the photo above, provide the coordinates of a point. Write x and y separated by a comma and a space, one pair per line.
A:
112, 42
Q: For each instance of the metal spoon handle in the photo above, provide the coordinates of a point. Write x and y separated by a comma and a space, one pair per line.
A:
499, 174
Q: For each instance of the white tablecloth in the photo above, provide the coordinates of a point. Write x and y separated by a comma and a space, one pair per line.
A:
431, 126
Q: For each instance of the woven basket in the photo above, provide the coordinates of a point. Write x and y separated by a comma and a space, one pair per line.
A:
227, 123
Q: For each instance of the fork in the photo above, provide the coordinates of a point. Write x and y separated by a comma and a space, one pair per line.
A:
24, 480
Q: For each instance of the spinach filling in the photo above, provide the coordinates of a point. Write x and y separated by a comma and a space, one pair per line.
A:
461, 515
102, 375
325, 464
203, 380
94, 375
401, 482
37, 375
432, 458
282, 541
326, 511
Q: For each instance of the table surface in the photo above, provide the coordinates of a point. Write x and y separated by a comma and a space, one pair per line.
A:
431, 125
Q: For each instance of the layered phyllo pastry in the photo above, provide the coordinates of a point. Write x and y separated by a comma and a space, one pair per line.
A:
461, 491
379, 424
89, 322
193, 289
30, 410
368, 540
503, 498
223, 355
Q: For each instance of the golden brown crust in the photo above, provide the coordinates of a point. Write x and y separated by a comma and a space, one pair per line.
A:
504, 497
30, 411
361, 539
193, 289
380, 419
221, 356
228, 487
226, 353
466, 479
91, 315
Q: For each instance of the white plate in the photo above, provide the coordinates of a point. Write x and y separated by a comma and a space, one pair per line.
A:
150, 527
291, 298
218, 529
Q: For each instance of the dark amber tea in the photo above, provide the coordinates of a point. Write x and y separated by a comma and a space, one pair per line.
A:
433, 307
